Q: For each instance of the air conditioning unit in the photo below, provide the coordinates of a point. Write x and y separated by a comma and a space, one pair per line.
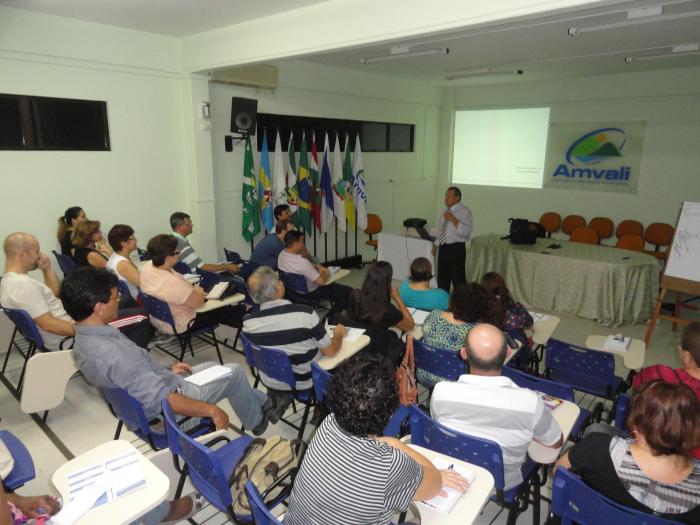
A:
259, 76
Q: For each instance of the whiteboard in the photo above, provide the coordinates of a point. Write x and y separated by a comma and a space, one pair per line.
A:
684, 256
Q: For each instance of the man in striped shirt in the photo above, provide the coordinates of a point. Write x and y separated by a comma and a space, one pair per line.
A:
182, 227
293, 328
487, 405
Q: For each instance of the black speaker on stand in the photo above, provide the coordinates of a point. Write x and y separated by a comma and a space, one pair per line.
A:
243, 115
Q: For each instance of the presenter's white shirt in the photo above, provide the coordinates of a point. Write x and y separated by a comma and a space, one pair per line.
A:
462, 231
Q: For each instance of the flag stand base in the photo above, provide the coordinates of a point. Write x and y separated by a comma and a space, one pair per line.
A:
353, 261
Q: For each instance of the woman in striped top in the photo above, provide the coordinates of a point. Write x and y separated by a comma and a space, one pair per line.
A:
350, 474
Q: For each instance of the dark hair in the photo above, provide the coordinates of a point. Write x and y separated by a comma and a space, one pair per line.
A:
668, 416
177, 218
279, 209
65, 222
690, 340
118, 234
281, 226
291, 237
82, 234
487, 365
456, 191
83, 288
160, 247
362, 394
501, 298
471, 303
421, 270
370, 303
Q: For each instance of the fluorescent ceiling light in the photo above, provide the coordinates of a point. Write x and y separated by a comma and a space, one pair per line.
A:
681, 50
481, 72
404, 52
575, 31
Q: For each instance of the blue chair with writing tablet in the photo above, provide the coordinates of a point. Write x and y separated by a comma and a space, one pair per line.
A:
438, 361
23, 470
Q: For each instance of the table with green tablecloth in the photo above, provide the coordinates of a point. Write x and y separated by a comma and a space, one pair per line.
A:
596, 282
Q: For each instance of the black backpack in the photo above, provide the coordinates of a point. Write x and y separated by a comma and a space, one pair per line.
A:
521, 233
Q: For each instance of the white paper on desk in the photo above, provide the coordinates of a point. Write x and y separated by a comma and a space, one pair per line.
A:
83, 502
191, 276
333, 269
444, 504
352, 335
419, 316
208, 375
537, 317
612, 343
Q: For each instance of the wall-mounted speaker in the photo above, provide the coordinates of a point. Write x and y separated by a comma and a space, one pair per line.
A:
243, 114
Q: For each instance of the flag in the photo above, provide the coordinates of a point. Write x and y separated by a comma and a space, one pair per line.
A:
251, 212
347, 184
292, 195
304, 187
315, 193
265, 187
279, 184
338, 188
358, 186
326, 190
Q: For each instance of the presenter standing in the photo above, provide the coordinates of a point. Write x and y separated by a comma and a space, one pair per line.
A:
453, 232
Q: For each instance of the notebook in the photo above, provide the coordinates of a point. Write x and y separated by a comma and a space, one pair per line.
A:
208, 375
616, 342
444, 504
352, 335
419, 316
218, 290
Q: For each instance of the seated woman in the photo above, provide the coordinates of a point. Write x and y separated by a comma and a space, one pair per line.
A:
370, 308
122, 240
352, 475
66, 225
469, 304
162, 282
416, 291
653, 471
89, 248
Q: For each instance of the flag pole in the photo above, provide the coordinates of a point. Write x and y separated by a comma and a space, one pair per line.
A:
325, 247
355, 232
346, 237
336, 238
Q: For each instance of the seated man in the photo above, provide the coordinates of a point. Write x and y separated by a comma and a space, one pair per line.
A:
282, 212
267, 251
110, 360
488, 405
293, 328
182, 227
292, 260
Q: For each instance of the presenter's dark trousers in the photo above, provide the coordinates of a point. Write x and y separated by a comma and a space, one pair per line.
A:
451, 265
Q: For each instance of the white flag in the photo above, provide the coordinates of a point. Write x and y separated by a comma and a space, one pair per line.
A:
279, 184
338, 185
326, 189
292, 195
358, 186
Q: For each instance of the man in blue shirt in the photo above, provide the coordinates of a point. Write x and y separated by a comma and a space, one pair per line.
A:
266, 251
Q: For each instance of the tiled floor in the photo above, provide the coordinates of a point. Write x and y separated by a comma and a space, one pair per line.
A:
83, 421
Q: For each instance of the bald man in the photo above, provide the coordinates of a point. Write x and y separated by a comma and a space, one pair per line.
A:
39, 300
488, 405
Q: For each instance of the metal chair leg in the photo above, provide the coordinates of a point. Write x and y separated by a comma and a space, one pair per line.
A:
9, 349
216, 345
119, 429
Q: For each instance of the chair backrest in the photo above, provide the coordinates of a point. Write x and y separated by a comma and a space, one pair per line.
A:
659, 234
571, 222
143, 255
66, 264
181, 267
622, 410
438, 361
585, 235
261, 514
630, 241
428, 433
233, 257
45, 380
629, 226
270, 361
123, 288
583, 369
320, 378
206, 473
294, 282
209, 279
575, 502
25, 324
374, 224
539, 384
157, 309
23, 470
603, 226
550, 221
247, 268
131, 413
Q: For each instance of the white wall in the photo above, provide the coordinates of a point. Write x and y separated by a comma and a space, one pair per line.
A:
312, 90
668, 100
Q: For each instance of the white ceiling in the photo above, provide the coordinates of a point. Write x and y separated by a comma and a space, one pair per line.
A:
169, 17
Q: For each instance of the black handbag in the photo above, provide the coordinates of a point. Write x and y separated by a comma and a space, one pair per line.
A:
520, 232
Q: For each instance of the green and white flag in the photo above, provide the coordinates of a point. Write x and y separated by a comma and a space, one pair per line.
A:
251, 211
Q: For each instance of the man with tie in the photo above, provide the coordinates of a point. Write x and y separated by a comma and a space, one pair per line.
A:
454, 230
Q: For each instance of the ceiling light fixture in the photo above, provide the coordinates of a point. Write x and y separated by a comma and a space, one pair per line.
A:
634, 18
405, 52
482, 72
681, 50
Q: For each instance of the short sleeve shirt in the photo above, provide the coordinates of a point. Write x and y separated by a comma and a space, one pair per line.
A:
351, 480
171, 287
267, 251
188, 255
295, 263
19, 291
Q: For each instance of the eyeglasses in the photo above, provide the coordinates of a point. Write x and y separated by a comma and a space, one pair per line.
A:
175, 254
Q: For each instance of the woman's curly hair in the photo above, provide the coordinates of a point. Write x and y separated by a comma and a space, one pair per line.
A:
472, 303
362, 394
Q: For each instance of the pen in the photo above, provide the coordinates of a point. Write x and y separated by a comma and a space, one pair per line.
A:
451, 467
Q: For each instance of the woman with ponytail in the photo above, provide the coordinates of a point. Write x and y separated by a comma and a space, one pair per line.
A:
66, 225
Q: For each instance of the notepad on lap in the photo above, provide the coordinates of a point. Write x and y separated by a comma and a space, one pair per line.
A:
208, 375
444, 504
419, 316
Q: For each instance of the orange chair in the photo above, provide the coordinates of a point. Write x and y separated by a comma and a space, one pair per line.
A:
659, 234
585, 235
374, 226
629, 226
550, 221
631, 242
603, 226
572, 222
